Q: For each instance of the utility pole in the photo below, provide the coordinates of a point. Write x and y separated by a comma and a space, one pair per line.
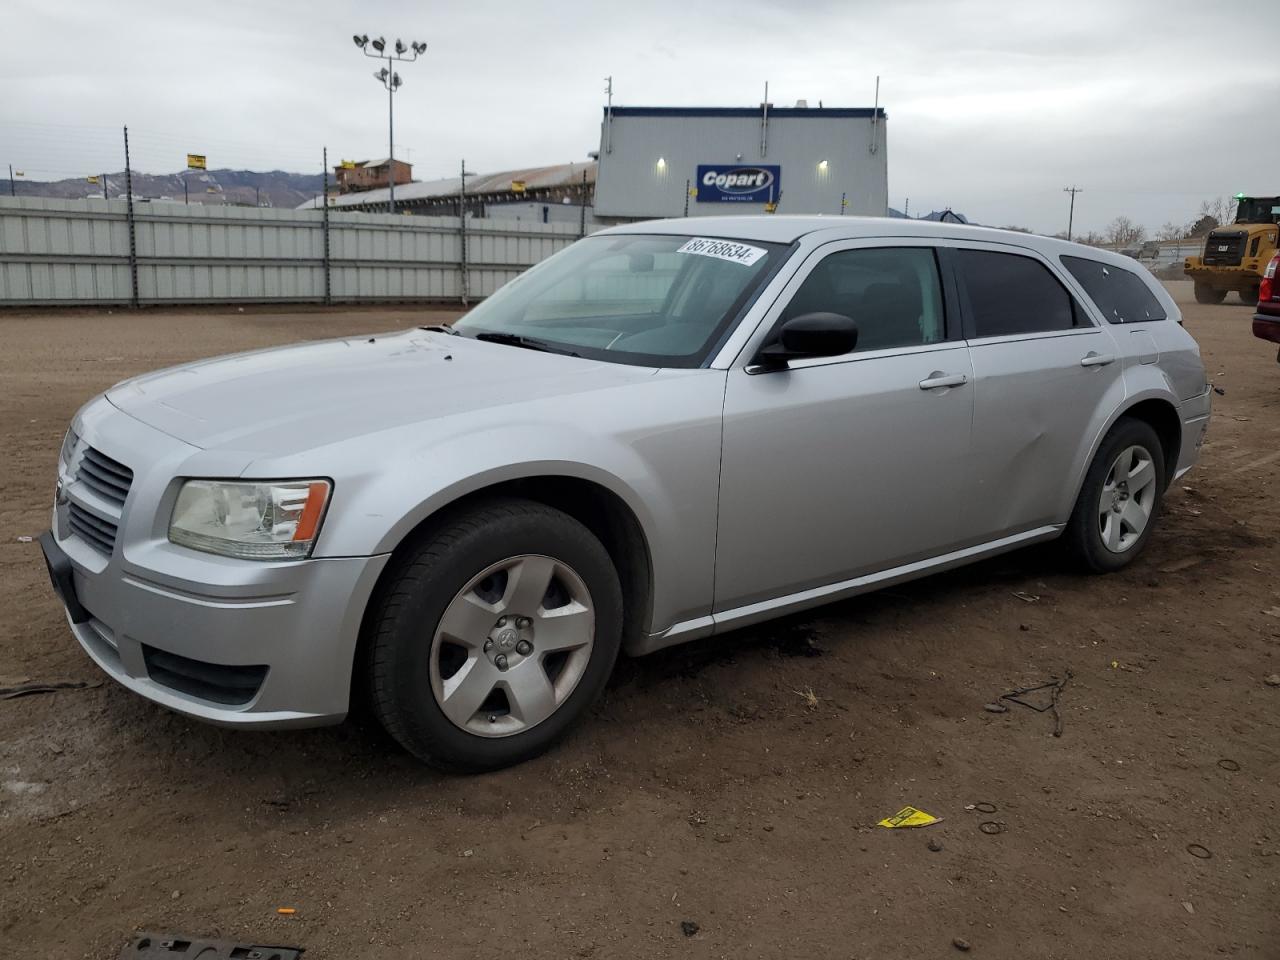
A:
12, 191
464, 276
582, 213
328, 289
688, 185
608, 115
1071, 212
391, 80
133, 235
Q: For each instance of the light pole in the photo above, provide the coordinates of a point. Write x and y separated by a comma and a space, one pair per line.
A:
391, 80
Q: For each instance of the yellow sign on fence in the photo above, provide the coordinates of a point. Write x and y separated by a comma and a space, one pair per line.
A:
92, 179
517, 186
196, 161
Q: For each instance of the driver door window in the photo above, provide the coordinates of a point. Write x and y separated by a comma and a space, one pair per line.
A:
893, 293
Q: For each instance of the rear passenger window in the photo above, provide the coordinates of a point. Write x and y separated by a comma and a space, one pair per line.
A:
1010, 294
1121, 295
893, 293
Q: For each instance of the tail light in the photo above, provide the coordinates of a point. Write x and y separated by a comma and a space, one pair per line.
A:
1267, 289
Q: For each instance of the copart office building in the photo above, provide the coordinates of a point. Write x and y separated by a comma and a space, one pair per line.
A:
711, 161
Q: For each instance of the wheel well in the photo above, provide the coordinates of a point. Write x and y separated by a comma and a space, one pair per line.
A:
597, 508
1162, 417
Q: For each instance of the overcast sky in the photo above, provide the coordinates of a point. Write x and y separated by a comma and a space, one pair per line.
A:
993, 107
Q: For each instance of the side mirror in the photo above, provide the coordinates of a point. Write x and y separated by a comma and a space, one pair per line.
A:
811, 335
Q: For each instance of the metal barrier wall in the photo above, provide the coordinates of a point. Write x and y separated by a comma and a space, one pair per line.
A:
77, 252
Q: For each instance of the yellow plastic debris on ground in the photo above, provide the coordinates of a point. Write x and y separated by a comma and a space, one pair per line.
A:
910, 817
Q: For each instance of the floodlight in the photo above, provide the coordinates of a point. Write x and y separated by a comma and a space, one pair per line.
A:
360, 41
400, 47
379, 44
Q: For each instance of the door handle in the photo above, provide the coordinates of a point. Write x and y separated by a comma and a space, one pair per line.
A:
938, 380
1092, 359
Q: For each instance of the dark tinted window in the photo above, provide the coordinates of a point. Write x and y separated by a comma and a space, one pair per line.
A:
1009, 294
893, 293
1119, 294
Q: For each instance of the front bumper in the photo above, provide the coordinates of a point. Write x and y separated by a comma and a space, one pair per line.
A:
238, 643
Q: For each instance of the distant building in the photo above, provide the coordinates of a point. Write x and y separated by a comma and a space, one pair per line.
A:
371, 174
554, 194
668, 162
662, 161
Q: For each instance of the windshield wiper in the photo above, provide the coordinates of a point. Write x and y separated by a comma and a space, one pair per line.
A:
441, 328
529, 343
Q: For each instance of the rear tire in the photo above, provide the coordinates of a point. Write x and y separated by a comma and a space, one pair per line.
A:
1119, 501
1207, 294
508, 580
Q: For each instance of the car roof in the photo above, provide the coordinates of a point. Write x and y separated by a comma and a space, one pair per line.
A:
788, 229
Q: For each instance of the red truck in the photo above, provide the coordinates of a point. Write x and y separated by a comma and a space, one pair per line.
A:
1266, 322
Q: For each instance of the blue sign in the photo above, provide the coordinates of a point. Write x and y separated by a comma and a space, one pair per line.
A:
738, 183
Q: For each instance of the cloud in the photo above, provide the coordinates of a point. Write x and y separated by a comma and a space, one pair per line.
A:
993, 107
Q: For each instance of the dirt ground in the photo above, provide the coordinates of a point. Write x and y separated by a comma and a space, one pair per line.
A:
734, 783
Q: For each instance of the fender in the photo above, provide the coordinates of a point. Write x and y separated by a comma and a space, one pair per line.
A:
668, 476
1131, 400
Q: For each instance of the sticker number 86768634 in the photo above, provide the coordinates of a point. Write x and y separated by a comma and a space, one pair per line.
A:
724, 250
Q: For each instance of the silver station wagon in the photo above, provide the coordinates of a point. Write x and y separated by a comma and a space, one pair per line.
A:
668, 430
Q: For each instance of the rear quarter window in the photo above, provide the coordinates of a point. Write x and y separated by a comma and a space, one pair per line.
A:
1011, 294
1121, 295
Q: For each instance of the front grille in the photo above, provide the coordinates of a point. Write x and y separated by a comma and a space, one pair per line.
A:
108, 478
98, 533
1224, 249
216, 682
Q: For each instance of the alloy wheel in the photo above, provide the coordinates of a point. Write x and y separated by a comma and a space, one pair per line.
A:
512, 645
1128, 497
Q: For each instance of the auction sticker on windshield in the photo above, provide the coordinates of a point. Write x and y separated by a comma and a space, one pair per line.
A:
724, 250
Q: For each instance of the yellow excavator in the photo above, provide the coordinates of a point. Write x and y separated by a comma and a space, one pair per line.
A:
1236, 255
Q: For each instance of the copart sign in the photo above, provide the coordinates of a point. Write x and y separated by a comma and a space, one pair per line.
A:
738, 183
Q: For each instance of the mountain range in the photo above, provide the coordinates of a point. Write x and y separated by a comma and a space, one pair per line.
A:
274, 188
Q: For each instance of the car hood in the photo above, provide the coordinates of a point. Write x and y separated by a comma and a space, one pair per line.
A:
290, 399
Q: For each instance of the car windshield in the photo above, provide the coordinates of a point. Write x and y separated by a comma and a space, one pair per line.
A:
1258, 210
630, 298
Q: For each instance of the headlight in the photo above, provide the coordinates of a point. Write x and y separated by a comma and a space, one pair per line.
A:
69, 443
266, 520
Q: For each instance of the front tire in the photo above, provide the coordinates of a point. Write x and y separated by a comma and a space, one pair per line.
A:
1119, 502
1207, 294
494, 635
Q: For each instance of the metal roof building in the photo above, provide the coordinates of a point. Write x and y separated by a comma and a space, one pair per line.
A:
554, 184
701, 161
